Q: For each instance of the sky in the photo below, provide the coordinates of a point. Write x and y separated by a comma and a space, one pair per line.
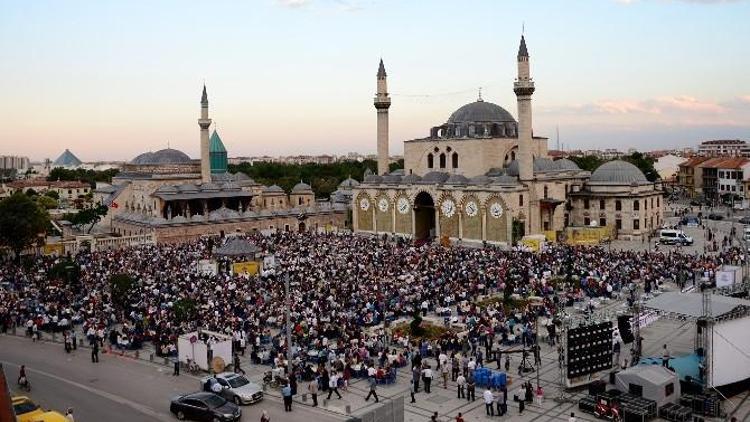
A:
112, 79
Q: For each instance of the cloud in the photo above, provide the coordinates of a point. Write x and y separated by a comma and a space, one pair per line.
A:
293, 4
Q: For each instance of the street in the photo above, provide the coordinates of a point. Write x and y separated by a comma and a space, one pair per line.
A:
116, 389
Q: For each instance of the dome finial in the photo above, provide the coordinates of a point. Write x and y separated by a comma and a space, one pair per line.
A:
480, 95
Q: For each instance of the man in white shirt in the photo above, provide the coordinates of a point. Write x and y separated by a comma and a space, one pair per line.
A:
489, 400
427, 378
572, 417
461, 385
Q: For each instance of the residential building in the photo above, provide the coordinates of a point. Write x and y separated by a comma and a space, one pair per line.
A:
690, 176
724, 148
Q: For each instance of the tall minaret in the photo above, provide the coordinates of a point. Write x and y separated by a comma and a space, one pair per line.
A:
204, 122
382, 103
524, 87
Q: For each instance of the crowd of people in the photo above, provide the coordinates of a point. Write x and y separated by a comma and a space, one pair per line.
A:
343, 287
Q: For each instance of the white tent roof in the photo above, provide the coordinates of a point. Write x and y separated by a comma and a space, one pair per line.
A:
691, 304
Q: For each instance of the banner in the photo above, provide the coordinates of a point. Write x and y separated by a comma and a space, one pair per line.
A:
54, 249
250, 267
587, 235
533, 242
207, 267
551, 236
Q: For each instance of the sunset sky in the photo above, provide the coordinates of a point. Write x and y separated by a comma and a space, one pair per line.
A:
112, 79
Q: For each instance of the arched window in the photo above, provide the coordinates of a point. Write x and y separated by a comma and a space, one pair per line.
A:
442, 161
454, 160
430, 161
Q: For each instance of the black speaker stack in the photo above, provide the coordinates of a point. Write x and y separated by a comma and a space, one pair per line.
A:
702, 404
623, 325
589, 349
676, 413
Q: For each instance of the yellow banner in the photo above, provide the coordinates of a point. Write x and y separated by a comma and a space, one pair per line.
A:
532, 243
551, 236
250, 267
54, 248
587, 235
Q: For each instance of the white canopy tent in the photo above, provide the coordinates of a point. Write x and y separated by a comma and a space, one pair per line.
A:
190, 347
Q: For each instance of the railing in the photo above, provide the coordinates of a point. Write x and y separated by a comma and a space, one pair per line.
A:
97, 244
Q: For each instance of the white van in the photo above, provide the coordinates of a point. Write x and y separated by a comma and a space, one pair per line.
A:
746, 234
674, 237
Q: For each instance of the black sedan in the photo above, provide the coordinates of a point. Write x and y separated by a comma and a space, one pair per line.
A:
715, 217
745, 220
204, 407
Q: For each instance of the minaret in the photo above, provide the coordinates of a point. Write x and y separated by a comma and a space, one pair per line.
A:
204, 122
382, 103
524, 87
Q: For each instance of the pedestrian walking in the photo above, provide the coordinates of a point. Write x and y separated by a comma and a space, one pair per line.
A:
373, 387
95, 355
415, 373
264, 417
312, 388
572, 417
444, 371
460, 417
434, 417
69, 415
521, 405
489, 401
333, 385
412, 391
286, 393
237, 367
74, 339
461, 387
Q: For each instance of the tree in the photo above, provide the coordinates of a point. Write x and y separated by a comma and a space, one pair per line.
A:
21, 222
87, 217
88, 176
587, 162
121, 286
645, 164
52, 194
46, 202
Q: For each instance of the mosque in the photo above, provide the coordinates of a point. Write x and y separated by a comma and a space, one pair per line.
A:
176, 198
482, 175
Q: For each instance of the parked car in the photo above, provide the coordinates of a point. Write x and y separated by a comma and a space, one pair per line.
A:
745, 220
204, 407
234, 387
715, 217
690, 221
28, 411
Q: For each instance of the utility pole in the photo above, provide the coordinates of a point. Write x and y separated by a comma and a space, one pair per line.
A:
287, 294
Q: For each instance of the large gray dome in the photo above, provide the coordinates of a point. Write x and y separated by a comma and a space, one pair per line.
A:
481, 111
164, 156
618, 172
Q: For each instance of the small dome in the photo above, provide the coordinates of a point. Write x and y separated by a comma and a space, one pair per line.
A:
164, 156
349, 183
457, 179
301, 187
273, 189
495, 171
410, 179
373, 179
209, 187
435, 177
187, 188
179, 220
167, 189
566, 164
481, 111
392, 179
480, 181
542, 165
397, 172
504, 180
618, 172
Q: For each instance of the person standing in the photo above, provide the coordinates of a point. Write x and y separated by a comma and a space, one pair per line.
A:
572, 417
69, 415
427, 378
286, 392
412, 391
333, 385
415, 373
444, 371
74, 339
95, 355
665, 357
460, 386
312, 388
66, 338
470, 389
460, 417
489, 401
373, 387
176, 371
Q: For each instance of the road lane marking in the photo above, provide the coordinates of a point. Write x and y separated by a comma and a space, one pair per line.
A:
115, 398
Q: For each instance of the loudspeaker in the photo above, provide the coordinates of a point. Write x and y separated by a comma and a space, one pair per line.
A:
623, 324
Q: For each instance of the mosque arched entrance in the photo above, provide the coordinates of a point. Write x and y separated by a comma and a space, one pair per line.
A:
424, 216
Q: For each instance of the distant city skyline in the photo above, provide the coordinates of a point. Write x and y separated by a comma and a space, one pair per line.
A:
288, 77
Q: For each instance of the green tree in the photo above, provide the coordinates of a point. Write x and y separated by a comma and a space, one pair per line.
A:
121, 286
52, 194
184, 310
88, 176
31, 192
22, 220
645, 164
518, 231
87, 217
587, 162
46, 202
